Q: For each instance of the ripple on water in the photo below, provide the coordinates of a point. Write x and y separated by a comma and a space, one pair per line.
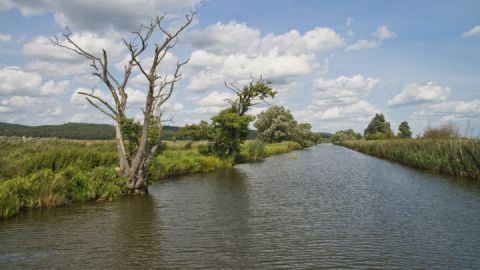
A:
329, 208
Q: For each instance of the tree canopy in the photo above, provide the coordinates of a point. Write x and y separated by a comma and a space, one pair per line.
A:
378, 128
404, 130
345, 135
275, 125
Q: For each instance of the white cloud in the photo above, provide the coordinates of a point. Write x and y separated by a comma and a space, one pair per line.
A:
215, 99
416, 93
475, 31
227, 38
59, 69
42, 48
362, 44
102, 15
322, 39
78, 99
80, 117
136, 96
352, 111
342, 90
381, 34
13, 80
456, 108
52, 88
5, 38
209, 109
241, 66
384, 33
234, 51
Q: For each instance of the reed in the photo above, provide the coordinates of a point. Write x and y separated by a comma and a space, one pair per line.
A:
457, 156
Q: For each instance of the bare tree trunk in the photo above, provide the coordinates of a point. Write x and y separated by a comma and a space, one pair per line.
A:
122, 156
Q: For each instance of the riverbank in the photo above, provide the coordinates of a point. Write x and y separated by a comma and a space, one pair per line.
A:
456, 157
49, 173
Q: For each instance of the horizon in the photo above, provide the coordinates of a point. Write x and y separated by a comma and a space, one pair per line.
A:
335, 64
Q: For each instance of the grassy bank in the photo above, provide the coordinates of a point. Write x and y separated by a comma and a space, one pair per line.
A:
457, 157
48, 173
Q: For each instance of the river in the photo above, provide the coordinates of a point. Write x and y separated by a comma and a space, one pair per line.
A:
327, 207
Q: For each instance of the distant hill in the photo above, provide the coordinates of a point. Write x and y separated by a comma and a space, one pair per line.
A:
85, 131
75, 131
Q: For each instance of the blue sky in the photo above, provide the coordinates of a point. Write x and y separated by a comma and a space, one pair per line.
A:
334, 63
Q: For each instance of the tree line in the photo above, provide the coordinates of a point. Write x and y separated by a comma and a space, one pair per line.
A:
379, 129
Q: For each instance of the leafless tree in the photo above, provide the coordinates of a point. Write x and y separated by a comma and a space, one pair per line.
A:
159, 88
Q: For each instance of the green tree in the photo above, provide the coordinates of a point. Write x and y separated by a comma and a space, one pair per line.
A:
231, 125
275, 125
302, 133
196, 132
345, 135
251, 94
378, 128
404, 130
230, 130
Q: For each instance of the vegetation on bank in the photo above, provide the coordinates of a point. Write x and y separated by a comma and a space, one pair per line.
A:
456, 156
48, 173
440, 149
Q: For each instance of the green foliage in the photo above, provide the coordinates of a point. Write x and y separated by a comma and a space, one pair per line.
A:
458, 157
345, 135
445, 131
275, 125
303, 135
46, 188
174, 163
252, 150
404, 130
282, 147
231, 129
196, 132
131, 131
256, 90
378, 129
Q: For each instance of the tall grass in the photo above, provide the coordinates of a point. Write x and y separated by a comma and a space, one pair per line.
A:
457, 157
254, 150
49, 172
179, 162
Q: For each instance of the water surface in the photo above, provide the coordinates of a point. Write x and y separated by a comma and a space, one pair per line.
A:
323, 208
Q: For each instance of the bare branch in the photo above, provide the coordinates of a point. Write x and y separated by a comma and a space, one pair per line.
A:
100, 109
100, 100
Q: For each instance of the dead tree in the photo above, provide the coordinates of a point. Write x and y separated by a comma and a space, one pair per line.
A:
159, 88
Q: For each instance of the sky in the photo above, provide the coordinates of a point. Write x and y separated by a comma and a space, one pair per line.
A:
334, 63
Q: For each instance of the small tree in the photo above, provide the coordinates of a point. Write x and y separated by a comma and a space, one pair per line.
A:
143, 139
196, 132
378, 128
404, 130
231, 125
230, 130
275, 125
